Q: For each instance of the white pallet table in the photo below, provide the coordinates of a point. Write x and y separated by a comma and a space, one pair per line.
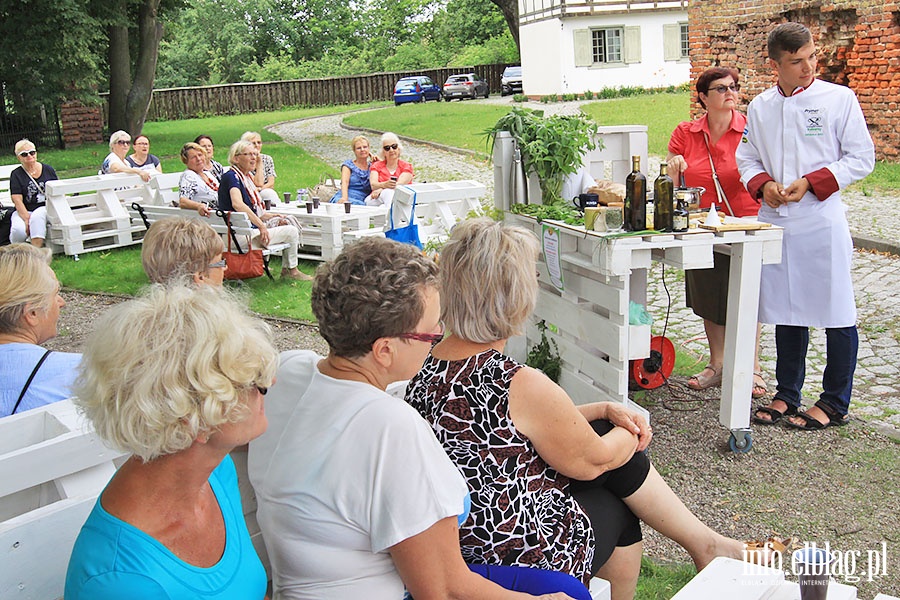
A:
602, 275
439, 205
738, 580
324, 229
52, 468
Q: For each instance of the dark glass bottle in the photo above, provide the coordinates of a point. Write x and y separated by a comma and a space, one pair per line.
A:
663, 192
635, 197
681, 217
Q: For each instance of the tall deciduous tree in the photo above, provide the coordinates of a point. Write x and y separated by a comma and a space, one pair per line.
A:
510, 10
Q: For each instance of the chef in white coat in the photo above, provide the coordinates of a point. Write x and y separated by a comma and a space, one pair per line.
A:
805, 140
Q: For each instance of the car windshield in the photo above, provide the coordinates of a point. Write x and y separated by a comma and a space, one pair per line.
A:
458, 79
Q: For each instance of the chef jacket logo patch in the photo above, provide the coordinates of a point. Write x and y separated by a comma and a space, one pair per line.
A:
814, 121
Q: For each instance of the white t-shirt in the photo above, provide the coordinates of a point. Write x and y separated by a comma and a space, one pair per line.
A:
576, 183
344, 472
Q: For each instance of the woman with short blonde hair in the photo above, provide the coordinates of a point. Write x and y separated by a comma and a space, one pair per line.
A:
30, 376
527, 452
388, 171
197, 188
27, 190
183, 248
176, 377
355, 184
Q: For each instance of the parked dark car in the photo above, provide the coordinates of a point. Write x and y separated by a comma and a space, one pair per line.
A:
416, 89
468, 85
511, 81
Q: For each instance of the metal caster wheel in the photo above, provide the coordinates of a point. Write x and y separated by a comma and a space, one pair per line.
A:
740, 441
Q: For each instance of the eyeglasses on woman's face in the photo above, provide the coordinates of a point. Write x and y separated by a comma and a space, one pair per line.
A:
219, 264
431, 338
123, 142
391, 147
25, 153
734, 87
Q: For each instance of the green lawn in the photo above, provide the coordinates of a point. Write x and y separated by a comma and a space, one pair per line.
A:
661, 113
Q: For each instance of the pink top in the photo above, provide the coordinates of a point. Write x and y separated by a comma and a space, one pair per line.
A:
688, 141
380, 167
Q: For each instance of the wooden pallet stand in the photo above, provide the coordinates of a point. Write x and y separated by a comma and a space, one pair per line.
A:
5, 173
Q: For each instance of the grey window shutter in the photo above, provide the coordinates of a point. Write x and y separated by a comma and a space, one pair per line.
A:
671, 41
584, 51
631, 50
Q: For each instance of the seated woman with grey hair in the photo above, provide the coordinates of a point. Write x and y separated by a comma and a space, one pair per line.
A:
355, 497
176, 377
264, 173
186, 249
30, 376
114, 162
388, 171
534, 462
198, 189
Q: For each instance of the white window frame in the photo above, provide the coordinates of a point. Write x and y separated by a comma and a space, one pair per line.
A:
601, 48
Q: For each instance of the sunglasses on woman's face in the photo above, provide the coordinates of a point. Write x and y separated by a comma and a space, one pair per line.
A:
25, 153
391, 147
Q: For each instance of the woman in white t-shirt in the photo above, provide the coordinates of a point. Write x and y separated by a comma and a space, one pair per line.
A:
356, 498
114, 162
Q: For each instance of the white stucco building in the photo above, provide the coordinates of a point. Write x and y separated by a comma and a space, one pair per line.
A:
571, 46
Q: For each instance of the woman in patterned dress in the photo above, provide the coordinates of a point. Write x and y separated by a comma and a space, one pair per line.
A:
553, 485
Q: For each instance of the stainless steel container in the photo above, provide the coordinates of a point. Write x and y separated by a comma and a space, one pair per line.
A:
691, 195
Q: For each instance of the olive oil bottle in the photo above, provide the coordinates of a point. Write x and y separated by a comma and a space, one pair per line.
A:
635, 197
663, 192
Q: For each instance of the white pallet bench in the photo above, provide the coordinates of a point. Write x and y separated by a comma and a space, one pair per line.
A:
165, 188
240, 223
439, 206
86, 214
5, 173
52, 469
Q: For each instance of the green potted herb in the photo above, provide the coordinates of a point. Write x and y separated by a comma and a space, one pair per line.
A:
552, 147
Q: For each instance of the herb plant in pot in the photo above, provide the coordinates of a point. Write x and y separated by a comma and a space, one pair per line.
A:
552, 147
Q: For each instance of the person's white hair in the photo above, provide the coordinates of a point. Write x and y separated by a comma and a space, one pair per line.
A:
239, 147
169, 365
488, 283
249, 136
28, 281
23, 144
116, 136
388, 137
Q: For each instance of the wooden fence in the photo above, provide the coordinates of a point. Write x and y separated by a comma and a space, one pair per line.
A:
237, 98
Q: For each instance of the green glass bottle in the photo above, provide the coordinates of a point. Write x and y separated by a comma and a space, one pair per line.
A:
663, 192
635, 197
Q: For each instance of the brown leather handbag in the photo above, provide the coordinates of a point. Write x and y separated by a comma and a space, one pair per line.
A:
241, 264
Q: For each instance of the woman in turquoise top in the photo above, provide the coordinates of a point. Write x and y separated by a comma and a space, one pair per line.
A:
355, 184
177, 378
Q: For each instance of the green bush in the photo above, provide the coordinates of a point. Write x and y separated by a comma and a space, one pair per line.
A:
520, 98
588, 95
569, 97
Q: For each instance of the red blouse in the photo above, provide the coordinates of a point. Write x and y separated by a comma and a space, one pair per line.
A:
380, 167
688, 141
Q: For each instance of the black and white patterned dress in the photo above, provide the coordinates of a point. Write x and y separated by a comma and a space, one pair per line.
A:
522, 512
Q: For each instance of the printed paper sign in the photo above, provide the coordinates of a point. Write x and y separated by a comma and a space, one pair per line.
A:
550, 243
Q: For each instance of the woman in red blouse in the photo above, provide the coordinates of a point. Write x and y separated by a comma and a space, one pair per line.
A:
694, 147
388, 171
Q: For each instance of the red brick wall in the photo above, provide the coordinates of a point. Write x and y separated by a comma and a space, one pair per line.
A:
859, 46
80, 124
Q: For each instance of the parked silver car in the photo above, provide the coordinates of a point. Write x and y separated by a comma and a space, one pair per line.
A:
511, 81
468, 85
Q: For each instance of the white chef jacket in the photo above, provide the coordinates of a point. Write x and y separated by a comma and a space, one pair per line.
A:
788, 138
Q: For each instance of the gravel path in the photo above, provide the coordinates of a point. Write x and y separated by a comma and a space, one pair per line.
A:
839, 485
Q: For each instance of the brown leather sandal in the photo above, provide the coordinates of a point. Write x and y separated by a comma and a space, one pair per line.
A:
701, 382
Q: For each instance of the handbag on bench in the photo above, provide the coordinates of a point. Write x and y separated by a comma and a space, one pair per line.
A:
240, 264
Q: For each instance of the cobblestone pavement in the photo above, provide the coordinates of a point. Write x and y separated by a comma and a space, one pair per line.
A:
876, 276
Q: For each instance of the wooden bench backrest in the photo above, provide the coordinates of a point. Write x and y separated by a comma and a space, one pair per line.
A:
5, 172
166, 188
239, 221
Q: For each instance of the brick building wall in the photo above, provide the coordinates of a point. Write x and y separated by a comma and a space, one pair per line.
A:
859, 46
80, 124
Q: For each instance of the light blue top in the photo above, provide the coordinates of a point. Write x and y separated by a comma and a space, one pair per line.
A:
359, 186
113, 560
52, 383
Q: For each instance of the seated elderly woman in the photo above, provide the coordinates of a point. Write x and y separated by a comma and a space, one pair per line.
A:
27, 192
237, 192
388, 171
534, 462
141, 158
197, 188
176, 377
115, 160
355, 184
264, 172
30, 376
186, 249
211, 166
355, 497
